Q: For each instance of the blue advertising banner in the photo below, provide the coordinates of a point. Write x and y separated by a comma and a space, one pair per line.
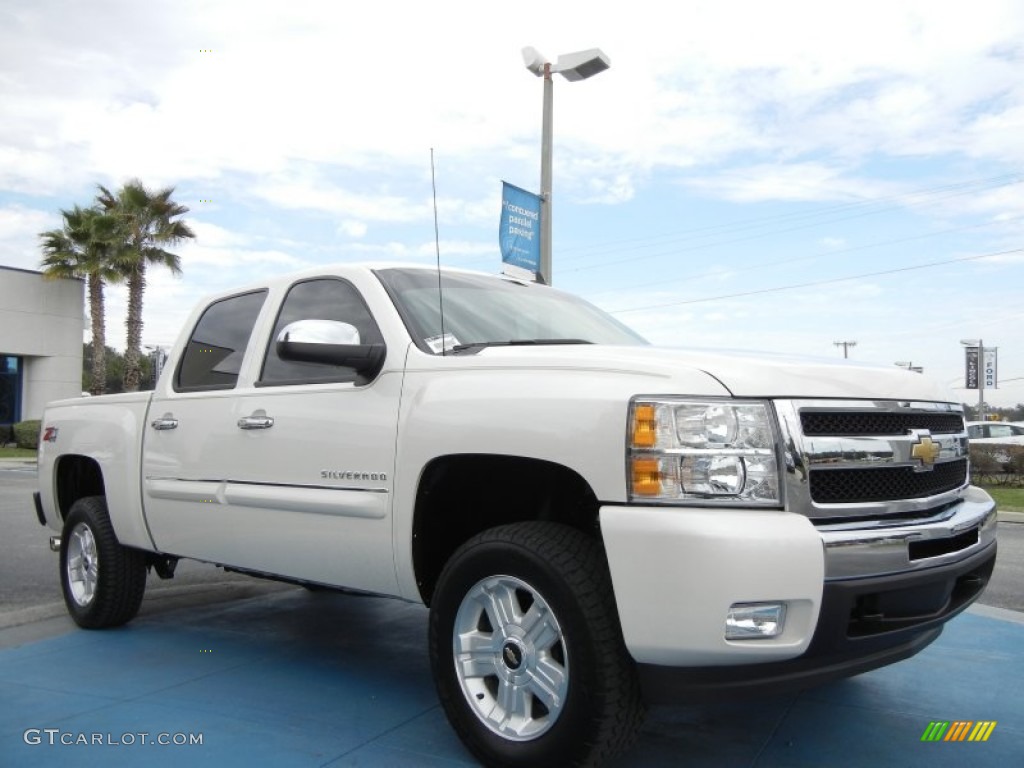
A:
519, 231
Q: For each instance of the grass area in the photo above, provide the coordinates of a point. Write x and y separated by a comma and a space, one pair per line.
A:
17, 453
1008, 499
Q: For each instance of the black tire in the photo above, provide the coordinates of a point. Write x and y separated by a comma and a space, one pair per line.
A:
550, 682
103, 582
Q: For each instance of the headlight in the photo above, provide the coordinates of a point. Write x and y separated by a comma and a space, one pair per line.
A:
713, 451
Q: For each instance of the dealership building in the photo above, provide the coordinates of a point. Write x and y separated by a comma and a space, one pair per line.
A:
41, 325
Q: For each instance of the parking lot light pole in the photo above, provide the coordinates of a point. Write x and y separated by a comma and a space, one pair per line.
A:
572, 66
981, 374
546, 142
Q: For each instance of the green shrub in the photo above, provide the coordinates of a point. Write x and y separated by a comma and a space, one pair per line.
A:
6, 434
26, 434
997, 464
1015, 454
986, 458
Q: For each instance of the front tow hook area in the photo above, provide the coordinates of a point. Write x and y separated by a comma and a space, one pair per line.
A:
55, 543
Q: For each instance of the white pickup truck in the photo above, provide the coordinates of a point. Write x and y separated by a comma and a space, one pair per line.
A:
594, 523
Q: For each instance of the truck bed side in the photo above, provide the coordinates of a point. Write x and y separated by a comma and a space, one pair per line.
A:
94, 446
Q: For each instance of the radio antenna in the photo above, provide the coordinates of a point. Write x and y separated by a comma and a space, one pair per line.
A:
437, 249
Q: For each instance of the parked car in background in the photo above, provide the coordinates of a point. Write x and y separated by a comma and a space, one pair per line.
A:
995, 432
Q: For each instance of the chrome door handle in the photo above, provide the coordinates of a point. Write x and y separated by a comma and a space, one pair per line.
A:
255, 422
167, 421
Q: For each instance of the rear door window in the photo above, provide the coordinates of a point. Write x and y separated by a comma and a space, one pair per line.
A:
214, 354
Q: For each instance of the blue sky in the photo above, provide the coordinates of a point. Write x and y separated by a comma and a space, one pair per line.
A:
746, 175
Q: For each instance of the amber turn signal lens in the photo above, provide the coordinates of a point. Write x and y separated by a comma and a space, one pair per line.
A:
646, 477
645, 433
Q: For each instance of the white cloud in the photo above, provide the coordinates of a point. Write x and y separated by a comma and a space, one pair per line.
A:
324, 85
19, 235
355, 229
215, 236
453, 252
302, 192
247, 259
312, 131
790, 181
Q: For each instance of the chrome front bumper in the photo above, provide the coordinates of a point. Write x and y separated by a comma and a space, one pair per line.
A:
878, 547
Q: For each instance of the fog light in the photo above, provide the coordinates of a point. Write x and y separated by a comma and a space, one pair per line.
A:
754, 621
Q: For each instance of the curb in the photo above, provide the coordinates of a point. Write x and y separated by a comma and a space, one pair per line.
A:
17, 464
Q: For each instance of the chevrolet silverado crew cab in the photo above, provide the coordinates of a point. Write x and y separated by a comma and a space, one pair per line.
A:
594, 523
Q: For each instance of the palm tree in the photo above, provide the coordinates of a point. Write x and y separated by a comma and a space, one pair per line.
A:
83, 248
147, 222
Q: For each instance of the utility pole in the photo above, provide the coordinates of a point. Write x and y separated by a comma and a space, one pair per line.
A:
846, 347
981, 380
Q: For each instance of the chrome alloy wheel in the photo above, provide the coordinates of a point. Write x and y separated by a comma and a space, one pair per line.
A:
82, 564
510, 658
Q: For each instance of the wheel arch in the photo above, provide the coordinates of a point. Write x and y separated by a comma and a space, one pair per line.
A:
461, 495
76, 477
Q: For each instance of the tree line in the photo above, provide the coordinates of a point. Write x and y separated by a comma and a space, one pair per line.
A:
995, 413
115, 240
114, 370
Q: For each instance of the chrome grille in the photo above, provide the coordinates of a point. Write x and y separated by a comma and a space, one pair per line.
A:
854, 486
878, 423
871, 459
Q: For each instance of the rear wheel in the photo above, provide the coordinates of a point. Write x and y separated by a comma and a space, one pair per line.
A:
103, 582
527, 652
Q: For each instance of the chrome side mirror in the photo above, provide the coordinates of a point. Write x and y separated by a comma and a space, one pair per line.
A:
319, 332
330, 342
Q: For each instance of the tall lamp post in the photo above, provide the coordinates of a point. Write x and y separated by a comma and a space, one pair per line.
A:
981, 373
572, 66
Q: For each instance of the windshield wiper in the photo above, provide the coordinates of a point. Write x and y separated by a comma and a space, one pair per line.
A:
478, 345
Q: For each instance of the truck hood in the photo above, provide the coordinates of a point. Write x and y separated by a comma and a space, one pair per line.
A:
743, 374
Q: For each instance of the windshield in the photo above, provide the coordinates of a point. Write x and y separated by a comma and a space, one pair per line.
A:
482, 310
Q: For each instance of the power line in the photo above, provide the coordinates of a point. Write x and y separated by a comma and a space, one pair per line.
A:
991, 181
745, 238
797, 259
819, 282
955, 190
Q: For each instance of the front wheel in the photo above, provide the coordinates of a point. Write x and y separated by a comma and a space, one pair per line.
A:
103, 581
526, 649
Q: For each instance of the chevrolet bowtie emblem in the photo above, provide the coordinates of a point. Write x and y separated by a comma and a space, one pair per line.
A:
927, 450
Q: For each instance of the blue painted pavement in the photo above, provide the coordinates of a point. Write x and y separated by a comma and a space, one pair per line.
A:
301, 679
